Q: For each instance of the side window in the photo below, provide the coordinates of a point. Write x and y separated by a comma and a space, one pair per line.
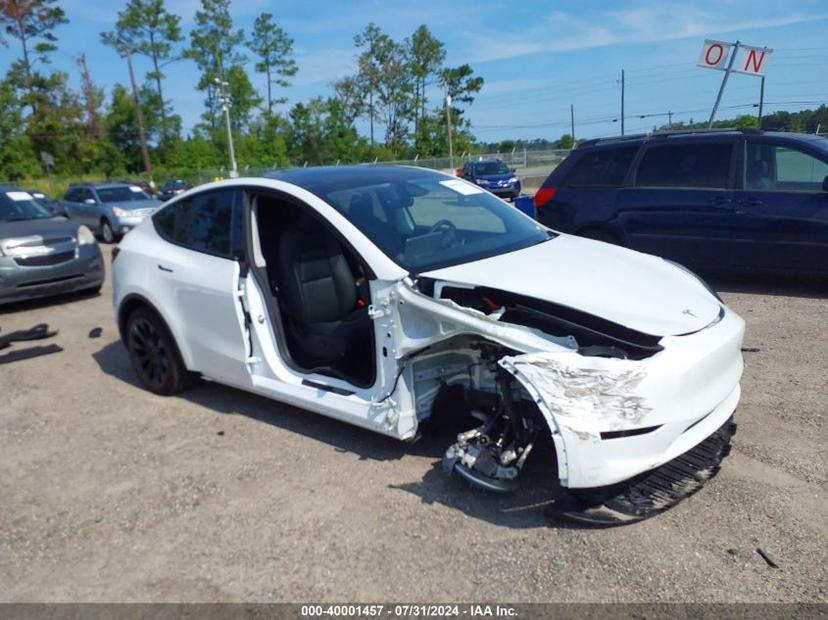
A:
702, 165
85, 194
210, 222
781, 168
602, 168
71, 195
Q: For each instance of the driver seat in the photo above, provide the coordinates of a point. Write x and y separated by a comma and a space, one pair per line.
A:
318, 294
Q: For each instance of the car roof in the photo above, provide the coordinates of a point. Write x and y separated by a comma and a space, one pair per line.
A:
696, 135
323, 179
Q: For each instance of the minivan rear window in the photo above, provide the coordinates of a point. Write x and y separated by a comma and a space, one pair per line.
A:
602, 168
685, 165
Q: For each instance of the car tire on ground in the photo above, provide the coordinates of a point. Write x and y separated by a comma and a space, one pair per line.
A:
154, 354
107, 234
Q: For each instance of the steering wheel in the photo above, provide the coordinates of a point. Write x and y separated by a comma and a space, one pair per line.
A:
448, 229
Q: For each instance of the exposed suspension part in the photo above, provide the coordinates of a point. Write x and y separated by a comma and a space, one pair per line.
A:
492, 455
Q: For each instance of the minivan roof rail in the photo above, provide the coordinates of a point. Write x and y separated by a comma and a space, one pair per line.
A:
666, 134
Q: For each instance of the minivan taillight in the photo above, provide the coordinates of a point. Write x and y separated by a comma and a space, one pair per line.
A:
544, 195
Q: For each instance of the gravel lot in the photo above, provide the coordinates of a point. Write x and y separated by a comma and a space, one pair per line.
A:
112, 494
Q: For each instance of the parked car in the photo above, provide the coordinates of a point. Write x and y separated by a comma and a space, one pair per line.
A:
147, 186
493, 175
53, 205
42, 254
742, 200
394, 298
172, 188
108, 209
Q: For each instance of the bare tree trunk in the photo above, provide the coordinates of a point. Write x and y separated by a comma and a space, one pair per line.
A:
139, 116
269, 93
158, 86
27, 64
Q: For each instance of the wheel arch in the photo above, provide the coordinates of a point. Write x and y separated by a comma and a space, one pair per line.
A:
132, 302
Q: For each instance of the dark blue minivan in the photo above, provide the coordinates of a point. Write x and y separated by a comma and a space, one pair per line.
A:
711, 200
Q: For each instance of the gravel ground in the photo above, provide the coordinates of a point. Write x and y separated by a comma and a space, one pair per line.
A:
112, 494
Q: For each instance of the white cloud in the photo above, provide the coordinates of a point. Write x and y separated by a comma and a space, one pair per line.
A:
562, 32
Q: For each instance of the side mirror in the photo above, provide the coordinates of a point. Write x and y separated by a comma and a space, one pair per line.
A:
825, 184
89, 201
514, 170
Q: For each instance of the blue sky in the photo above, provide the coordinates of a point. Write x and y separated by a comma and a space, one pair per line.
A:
537, 57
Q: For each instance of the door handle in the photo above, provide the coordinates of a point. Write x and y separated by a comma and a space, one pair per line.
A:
167, 269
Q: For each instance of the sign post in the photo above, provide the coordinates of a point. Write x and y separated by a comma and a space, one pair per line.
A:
724, 83
732, 58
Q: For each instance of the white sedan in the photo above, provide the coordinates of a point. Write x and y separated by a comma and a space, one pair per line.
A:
395, 297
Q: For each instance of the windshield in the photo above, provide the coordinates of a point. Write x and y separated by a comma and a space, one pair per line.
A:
124, 193
174, 185
16, 206
424, 220
491, 167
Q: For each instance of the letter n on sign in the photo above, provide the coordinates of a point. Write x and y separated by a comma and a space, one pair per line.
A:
714, 55
752, 60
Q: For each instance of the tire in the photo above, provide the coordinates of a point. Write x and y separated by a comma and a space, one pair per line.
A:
598, 234
107, 234
154, 354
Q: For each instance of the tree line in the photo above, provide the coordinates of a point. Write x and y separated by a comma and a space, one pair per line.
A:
87, 131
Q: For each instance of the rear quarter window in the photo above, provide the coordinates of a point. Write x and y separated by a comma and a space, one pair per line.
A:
602, 168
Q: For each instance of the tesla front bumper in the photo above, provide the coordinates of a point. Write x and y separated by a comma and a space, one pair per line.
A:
612, 419
83, 270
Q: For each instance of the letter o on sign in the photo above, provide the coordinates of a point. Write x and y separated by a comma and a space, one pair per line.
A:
714, 54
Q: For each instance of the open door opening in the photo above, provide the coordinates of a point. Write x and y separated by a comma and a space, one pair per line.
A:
319, 290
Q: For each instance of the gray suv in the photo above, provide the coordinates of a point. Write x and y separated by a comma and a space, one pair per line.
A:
110, 210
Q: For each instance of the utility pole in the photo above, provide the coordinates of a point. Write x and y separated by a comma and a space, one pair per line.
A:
572, 122
224, 99
139, 116
761, 100
669, 119
726, 77
622, 102
448, 124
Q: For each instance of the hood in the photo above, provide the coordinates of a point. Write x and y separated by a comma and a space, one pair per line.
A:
132, 205
495, 177
46, 228
636, 290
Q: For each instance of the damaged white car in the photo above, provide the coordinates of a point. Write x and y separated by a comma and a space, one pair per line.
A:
388, 297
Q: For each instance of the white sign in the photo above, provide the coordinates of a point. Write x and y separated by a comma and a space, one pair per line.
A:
462, 187
19, 196
714, 54
750, 60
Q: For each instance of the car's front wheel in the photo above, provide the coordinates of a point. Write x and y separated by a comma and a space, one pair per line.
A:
154, 355
107, 234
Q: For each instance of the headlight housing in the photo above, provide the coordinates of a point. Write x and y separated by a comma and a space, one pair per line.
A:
119, 212
481, 181
513, 180
85, 236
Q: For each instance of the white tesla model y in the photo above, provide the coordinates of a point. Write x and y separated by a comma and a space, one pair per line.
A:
389, 297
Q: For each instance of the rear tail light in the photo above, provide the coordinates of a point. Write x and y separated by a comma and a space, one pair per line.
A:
544, 195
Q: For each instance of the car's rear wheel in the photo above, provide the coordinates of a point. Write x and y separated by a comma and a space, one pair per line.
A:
107, 234
154, 355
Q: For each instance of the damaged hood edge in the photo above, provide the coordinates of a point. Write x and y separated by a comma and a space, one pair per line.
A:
639, 291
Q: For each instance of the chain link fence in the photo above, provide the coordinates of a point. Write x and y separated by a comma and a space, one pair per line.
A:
530, 163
